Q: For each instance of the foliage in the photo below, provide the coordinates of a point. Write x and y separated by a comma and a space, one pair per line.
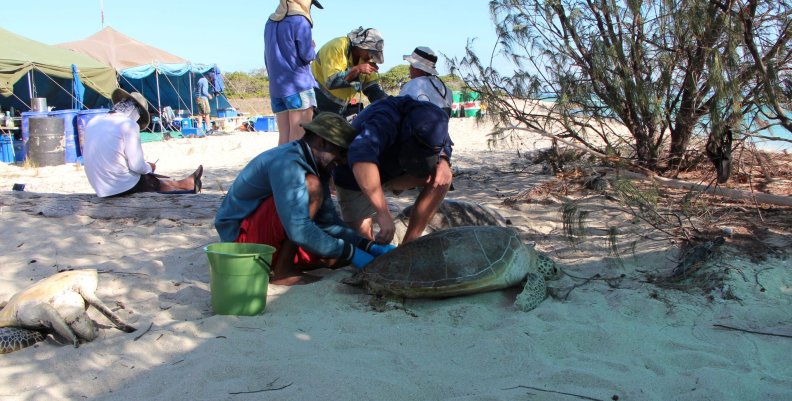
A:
246, 85
395, 78
665, 70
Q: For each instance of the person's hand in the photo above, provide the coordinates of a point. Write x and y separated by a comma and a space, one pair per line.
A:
442, 175
387, 228
361, 258
367, 68
209, 97
379, 250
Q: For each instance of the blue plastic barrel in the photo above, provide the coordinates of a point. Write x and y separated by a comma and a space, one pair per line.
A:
20, 150
83, 117
7, 149
69, 132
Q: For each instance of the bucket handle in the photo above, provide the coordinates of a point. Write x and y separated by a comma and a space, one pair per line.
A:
264, 260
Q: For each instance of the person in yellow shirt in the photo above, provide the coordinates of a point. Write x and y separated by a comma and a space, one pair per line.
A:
346, 66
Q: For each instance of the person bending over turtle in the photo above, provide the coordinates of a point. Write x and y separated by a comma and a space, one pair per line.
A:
402, 143
113, 156
282, 198
347, 65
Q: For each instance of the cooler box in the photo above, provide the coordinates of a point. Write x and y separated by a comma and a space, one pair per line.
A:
265, 124
226, 113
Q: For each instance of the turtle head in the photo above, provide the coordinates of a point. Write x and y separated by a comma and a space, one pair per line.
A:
547, 268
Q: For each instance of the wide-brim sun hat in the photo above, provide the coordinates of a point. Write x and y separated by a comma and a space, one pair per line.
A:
332, 128
424, 59
121, 95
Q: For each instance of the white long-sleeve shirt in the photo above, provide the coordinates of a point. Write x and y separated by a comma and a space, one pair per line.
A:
429, 88
112, 154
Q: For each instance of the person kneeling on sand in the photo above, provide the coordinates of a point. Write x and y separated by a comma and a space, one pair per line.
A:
282, 198
113, 156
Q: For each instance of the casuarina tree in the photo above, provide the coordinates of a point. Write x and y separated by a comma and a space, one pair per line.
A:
665, 70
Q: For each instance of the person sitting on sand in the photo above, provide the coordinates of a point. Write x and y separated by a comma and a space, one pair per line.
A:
113, 156
282, 198
402, 143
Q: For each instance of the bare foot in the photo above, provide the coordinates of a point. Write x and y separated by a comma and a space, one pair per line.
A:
300, 279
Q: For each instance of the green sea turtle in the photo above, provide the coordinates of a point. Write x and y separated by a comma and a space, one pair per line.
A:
57, 303
450, 213
458, 261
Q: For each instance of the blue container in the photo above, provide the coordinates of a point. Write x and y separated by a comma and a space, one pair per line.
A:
83, 118
20, 150
266, 123
226, 113
7, 149
26, 126
70, 132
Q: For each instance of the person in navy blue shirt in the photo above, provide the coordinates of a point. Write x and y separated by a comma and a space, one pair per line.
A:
288, 51
402, 143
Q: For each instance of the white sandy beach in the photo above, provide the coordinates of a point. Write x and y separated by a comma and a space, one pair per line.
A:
622, 338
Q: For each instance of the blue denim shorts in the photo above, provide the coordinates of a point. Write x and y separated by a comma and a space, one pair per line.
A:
299, 101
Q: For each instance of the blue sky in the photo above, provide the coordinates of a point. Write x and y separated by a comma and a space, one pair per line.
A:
231, 35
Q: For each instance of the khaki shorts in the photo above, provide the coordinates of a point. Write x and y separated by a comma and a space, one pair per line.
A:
203, 105
355, 205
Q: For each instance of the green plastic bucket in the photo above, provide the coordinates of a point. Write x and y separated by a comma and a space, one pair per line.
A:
470, 96
238, 277
457, 95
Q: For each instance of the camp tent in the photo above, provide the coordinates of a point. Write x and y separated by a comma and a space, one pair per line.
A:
163, 78
31, 69
120, 51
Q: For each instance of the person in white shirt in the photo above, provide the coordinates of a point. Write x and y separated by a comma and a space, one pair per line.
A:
113, 156
424, 81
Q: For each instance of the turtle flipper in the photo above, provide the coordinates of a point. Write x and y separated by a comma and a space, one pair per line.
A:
15, 338
94, 301
47, 316
533, 294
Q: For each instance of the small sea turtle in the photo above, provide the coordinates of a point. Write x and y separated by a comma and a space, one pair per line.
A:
458, 261
450, 213
55, 303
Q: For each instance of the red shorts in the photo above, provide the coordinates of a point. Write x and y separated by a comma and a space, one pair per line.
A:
264, 227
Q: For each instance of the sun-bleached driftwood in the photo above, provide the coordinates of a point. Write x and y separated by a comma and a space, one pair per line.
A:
138, 206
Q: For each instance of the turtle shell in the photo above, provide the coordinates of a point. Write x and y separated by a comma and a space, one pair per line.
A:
456, 261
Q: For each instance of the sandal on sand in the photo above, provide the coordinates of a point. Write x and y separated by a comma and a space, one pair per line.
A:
197, 179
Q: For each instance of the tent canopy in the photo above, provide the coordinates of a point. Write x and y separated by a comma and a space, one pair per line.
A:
29, 66
163, 78
120, 51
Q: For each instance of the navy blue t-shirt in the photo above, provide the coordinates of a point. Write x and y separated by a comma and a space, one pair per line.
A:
384, 127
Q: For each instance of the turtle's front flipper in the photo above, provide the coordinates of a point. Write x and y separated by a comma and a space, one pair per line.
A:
92, 300
14, 338
533, 294
45, 315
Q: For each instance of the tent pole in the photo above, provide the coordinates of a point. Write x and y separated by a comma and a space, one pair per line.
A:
191, 89
30, 86
159, 103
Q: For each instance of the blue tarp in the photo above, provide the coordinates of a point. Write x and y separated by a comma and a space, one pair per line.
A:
176, 85
78, 89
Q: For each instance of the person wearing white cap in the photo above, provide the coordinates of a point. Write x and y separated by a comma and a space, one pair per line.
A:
288, 51
346, 66
424, 81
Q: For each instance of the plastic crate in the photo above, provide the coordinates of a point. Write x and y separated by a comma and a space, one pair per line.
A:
266, 123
